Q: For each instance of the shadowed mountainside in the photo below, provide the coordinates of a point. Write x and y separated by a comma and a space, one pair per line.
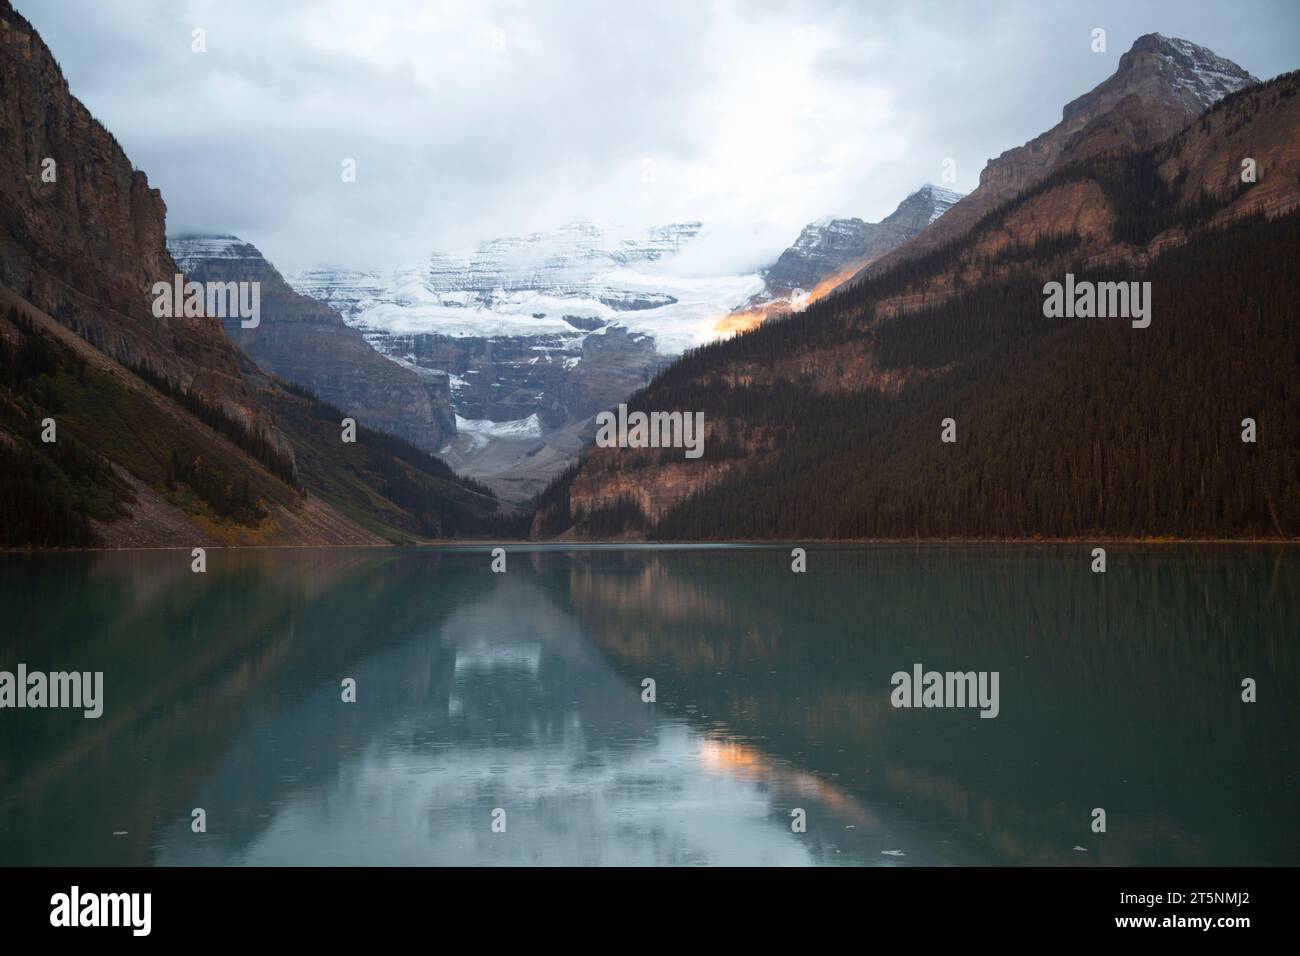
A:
828, 424
166, 432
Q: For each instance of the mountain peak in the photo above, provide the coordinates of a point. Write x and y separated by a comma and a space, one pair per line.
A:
938, 192
1166, 73
1159, 86
937, 199
830, 248
195, 246
1186, 52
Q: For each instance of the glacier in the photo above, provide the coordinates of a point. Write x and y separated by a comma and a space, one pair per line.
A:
535, 285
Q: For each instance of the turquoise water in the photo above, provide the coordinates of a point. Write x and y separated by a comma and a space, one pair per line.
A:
523, 692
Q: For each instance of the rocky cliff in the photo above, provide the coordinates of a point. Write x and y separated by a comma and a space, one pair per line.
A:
306, 342
168, 434
1159, 86
82, 232
827, 247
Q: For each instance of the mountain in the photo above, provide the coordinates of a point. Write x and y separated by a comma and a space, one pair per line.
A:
564, 283
826, 248
830, 251
166, 432
536, 334
306, 342
87, 246
1160, 85
828, 424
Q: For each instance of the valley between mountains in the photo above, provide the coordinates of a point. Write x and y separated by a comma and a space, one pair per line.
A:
475, 377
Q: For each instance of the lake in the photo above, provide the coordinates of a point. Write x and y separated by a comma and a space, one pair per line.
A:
503, 719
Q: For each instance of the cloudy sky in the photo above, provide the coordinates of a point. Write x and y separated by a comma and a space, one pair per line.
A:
471, 120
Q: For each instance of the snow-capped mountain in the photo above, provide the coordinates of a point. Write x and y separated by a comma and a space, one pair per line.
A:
829, 251
1160, 85
1195, 76
826, 247
566, 283
539, 332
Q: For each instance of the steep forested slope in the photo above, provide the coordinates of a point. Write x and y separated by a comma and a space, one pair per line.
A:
138, 460
828, 423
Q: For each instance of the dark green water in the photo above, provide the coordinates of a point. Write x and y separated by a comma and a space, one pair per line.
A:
522, 691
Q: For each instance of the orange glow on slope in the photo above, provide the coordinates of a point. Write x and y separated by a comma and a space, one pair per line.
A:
737, 322
828, 285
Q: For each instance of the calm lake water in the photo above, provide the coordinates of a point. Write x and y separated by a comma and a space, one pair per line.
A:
523, 691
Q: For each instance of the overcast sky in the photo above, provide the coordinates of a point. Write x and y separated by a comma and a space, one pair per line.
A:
471, 120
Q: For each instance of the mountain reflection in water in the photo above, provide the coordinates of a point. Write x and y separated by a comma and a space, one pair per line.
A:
523, 691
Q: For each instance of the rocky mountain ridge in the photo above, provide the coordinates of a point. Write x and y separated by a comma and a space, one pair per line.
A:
849, 394
827, 247
306, 342
830, 251
1159, 86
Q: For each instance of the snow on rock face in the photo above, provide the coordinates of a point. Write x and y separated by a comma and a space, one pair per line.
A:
942, 200
827, 247
190, 250
537, 285
566, 261
1159, 86
1200, 74
349, 293
536, 333
825, 235
1169, 75
483, 429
